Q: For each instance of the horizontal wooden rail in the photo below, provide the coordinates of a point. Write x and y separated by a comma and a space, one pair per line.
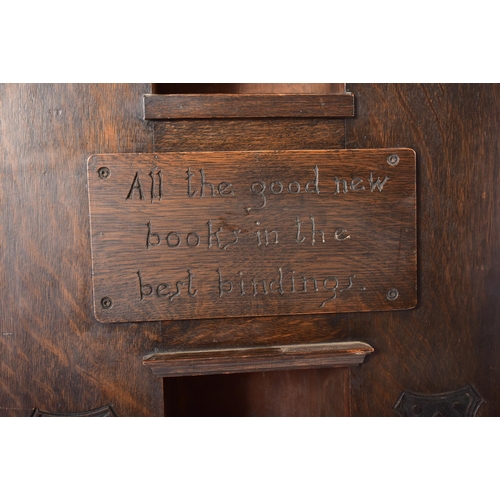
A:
255, 359
193, 106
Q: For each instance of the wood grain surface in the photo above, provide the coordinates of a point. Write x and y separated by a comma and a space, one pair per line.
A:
214, 361
248, 135
237, 135
54, 355
186, 106
450, 339
207, 235
289, 393
248, 88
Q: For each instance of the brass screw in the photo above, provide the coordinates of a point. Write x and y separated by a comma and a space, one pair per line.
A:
103, 173
106, 303
393, 160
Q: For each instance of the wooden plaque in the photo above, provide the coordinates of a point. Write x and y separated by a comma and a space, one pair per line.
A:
253, 233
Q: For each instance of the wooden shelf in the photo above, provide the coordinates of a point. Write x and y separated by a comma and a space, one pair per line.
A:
196, 106
256, 359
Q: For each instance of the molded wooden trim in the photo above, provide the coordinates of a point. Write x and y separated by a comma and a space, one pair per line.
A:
255, 359
185, 106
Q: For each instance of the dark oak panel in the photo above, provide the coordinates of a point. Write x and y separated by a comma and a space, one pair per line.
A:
246, 332
247, 135
56, 357
54, 354
450, 340
292, 393
184, 106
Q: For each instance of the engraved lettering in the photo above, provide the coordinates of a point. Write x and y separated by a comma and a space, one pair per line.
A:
255, 284
223, 283
191, 193
351, 278
337, 185
212, 234
338, 235
136, 184
305, 280
204, 183
236, 239
343, 185
276, 187
143, 287
328, 288
147, 289
153, 183
176, 237
314, 231
378, 184
155, 236
191, 292
226, 189
153, 174
178, 285
356, 184
298, 239
257, 233
293, 190
161, 287
313, 186
242, 287
189, 239
278, 283
258, 188
266, 235
207, 189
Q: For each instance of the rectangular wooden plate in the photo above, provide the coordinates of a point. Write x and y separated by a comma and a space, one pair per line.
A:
188, 106
252, 233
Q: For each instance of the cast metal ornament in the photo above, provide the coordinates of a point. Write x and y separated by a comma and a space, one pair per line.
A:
464, 402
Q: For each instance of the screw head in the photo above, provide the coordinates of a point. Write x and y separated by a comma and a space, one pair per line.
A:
393, 160
392, 294
106, 303
103, 173
457, 406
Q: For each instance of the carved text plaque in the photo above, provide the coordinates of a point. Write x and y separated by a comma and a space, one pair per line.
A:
225, 234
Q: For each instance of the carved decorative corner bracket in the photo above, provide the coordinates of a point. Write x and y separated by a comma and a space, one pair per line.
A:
463, 402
